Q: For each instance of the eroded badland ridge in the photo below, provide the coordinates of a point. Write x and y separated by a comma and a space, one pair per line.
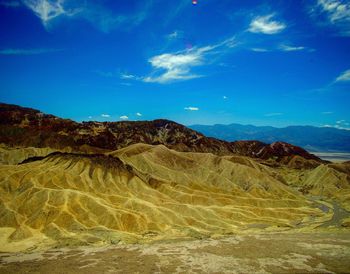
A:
64, 183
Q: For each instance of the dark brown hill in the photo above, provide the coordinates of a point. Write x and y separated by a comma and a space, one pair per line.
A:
21, 126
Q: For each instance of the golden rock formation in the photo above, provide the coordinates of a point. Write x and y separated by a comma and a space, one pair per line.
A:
145, 192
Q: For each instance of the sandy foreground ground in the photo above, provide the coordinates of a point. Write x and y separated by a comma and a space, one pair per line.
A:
321, 252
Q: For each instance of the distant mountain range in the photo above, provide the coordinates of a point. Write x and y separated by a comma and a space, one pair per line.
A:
308, 137
28, 127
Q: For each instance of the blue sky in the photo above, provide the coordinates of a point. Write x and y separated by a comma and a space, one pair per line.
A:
273, 63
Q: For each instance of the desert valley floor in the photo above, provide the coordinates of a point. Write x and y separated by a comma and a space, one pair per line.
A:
320, 252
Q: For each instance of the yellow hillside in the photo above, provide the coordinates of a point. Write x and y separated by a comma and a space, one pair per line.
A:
142, 192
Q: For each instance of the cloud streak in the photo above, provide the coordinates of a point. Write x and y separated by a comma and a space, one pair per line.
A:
281, 47
126, 76
344, 77
174, 35
191, 108
284, 47
170, 67
342, 124
338, 14
48, 10
266, 25
259, 50
96, 13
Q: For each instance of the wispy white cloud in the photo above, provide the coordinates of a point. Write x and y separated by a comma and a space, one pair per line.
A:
344, 77
105, 115
266, 25
27, 51
48, 10
259, 49
337, 126
170, 67
342, 124
138, 114
338, 13
327, 112
191, 108
273, 114
285, 47
341, 127
338, 10
340, 121
126, 76
177, 66
175, 34
123, 117
281, 47
95, 12
116, 74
